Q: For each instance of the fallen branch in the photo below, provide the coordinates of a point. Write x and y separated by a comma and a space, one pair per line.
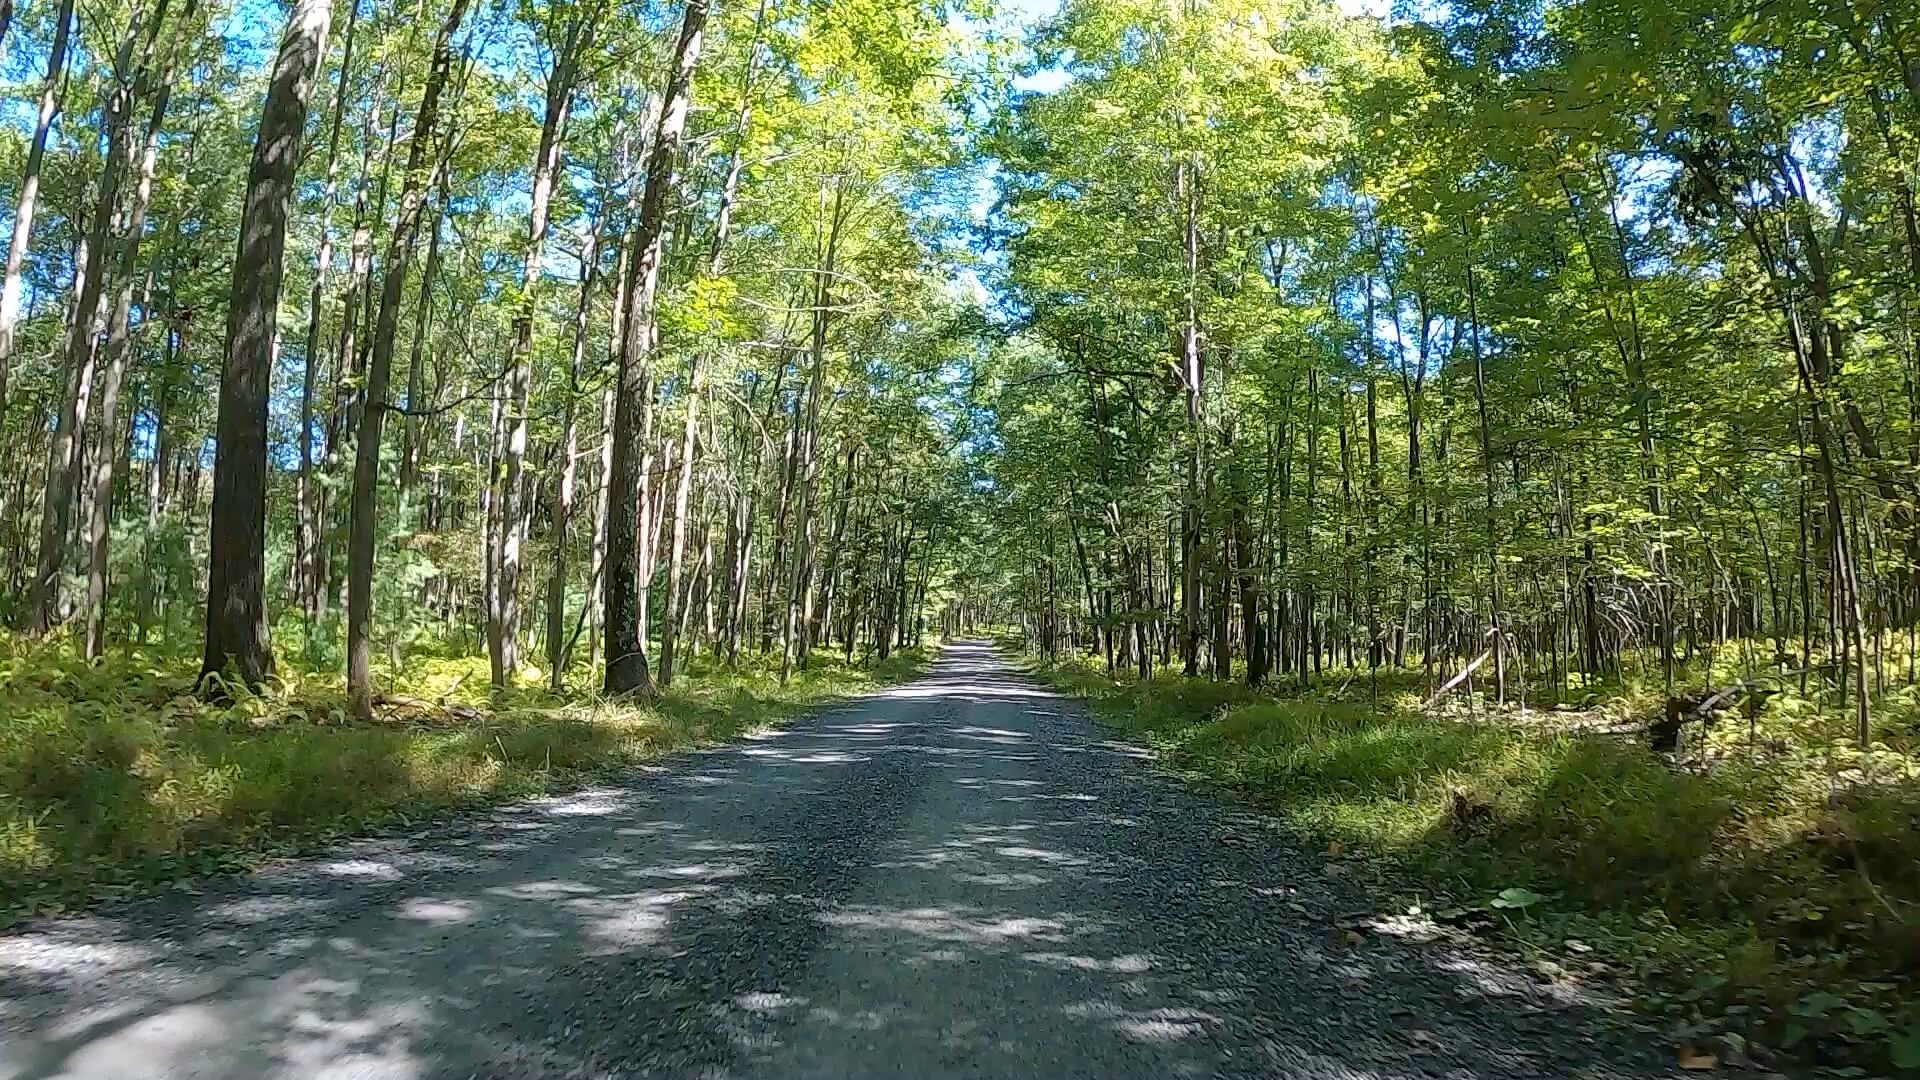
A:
427, 708
1457, 679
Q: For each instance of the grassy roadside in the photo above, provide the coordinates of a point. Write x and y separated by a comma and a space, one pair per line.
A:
114, 777
1763, 904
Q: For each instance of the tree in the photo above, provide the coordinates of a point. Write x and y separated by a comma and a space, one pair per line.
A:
627, 671
373, 396
237, 642
29, 198
576, 37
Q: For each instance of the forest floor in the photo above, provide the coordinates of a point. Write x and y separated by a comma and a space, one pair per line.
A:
1757, 893
958, 876
116, 777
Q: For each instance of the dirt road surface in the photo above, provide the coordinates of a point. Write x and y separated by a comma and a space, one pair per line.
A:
958, 877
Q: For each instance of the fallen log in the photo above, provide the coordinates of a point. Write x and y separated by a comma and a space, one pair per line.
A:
1704, 706
437, 710
1457, 679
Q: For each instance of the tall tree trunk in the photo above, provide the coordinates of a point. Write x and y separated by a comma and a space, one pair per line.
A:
29, 198
236, 632
373, 398
89, 323
412, 430
603, 500
306, 511
1486, 462
1185, 188
723, 221
676, 554
117, 357
562, 509
806, 466
504, 611
627, 670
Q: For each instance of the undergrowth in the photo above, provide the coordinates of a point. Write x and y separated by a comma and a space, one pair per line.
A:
1763, 888
116, 776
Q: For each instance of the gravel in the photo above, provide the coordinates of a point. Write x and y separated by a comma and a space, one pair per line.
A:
959, 877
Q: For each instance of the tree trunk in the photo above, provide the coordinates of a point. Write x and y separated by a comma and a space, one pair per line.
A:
562, 509
66, 451
1486, 461
729, 189
306, 512
504, 621
801, 582
373, 397
117, 350
627, 670
29, 197
1185, 186
236, 633
411, 429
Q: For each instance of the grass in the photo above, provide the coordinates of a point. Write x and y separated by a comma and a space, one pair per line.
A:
1764, 890
114, 777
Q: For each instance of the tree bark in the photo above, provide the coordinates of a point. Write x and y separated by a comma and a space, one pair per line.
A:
1185, 188
1492, 534
806, 466
504, 612
236, 631
627, 671
373, 397
117, 357
306, 513
562, 509
65, 452
29, 198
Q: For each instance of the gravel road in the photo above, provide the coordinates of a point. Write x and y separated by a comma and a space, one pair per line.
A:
959, 877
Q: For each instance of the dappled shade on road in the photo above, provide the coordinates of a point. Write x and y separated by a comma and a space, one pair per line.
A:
957, 877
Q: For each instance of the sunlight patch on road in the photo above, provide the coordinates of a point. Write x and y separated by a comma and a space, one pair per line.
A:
1001, 733
556, 889
438, 912
767, 1002
1485, 978
696, 871
1003, 881
45, 955
802, 757
368, 869
1148, 1025
137, 1048
990, 690
259, 909
1129, 964
876, 728
1051, 858
940, 924
583, 804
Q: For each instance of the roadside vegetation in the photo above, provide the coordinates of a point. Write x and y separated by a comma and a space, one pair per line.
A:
1758, 888
115, 776
404, 406
1486, 436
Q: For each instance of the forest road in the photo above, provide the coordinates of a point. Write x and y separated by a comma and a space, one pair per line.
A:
960, 876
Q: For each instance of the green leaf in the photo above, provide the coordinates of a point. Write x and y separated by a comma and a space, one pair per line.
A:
1866, 1021
1817, 1004
1904, 1050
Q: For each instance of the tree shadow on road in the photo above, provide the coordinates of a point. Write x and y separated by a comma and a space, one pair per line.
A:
958, 877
